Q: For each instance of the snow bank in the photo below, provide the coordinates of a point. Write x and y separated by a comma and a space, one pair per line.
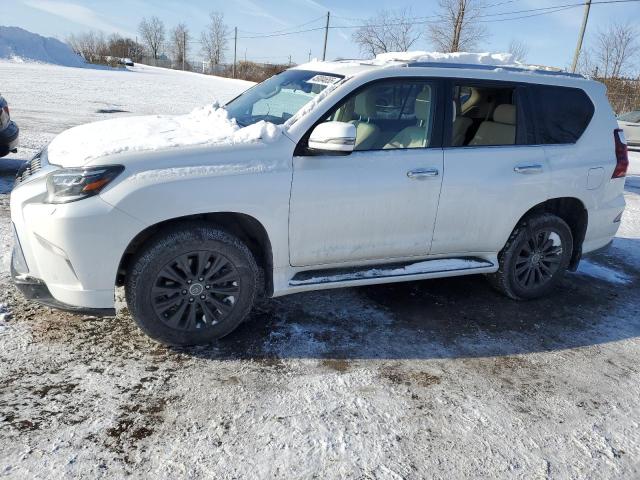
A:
204, 126
19, 45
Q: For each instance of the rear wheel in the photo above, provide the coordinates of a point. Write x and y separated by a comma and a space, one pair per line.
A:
535, 257
192, 285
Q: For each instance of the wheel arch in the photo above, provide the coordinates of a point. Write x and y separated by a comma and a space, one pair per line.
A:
573, 211
247, 228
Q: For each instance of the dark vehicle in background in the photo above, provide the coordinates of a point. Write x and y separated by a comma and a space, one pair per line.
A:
8, 130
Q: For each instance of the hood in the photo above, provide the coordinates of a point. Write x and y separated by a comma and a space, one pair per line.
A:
204, 126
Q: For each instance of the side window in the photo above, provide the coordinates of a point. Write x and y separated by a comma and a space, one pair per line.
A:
390, 115
562, 113
484, 116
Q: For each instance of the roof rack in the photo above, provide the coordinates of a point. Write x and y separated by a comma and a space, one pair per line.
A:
510, 68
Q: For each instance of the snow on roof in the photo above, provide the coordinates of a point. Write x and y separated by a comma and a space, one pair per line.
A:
439, 57
484, 60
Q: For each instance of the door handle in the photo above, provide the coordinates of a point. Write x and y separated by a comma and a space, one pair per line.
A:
528, 169
422, 173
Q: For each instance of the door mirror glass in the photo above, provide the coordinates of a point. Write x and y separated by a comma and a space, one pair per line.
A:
336, 137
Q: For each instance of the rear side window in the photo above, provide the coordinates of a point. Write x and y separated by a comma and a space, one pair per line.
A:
562, 114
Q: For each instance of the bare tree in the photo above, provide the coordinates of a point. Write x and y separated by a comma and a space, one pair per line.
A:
179, 41
152, 33
214, 39
614, 52
519, 50
387, 31
91, 45
122, 47
459, 28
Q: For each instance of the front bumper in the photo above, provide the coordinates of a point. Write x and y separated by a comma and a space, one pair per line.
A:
70, 253
36, 290
9, 139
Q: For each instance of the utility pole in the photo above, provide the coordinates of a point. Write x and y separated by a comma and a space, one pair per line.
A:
326, 36
587, 7
184, 47
235, 50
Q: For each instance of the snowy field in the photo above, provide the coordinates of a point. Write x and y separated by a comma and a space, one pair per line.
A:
432, 379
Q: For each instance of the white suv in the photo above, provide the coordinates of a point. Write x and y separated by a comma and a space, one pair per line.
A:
331, 174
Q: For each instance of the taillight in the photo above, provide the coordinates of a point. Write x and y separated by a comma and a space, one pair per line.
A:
622, 157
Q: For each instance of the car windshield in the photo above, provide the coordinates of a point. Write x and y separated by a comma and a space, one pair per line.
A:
633, 117
280, 97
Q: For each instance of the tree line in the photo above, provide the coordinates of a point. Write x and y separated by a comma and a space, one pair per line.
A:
610, 53
155, 42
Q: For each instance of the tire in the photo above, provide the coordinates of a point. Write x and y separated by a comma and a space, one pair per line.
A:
191, 285
535, 258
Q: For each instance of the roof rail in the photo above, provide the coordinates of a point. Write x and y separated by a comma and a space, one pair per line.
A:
510, 68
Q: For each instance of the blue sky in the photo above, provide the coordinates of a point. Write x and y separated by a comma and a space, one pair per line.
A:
551, 38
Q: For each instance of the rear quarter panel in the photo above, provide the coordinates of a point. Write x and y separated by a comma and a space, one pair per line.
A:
583, 170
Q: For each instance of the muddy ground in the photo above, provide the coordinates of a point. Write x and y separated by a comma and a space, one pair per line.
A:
443, 379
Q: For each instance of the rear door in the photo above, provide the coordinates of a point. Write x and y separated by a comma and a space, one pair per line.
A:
380, 201
494, 174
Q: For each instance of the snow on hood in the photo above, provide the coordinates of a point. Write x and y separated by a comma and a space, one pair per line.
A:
209, 125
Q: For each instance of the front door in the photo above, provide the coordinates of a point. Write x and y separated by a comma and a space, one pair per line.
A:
379, 202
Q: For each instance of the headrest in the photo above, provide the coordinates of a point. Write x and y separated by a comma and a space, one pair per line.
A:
365, 105
423, 104
505, 113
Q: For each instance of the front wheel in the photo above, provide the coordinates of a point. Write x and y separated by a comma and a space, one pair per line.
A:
535, 257
191, 285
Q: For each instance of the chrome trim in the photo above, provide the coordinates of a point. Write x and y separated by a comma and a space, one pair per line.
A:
528, 169
423, 173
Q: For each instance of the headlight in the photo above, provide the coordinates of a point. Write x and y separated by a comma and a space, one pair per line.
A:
71, 184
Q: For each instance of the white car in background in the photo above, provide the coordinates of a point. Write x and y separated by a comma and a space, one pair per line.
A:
630, 123
331, 174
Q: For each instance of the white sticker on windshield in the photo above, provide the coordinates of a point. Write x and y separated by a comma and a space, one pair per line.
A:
323, 80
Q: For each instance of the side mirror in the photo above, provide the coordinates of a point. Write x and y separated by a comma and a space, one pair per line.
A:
333, 137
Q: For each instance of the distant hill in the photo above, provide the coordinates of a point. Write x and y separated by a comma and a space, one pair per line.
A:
19, 45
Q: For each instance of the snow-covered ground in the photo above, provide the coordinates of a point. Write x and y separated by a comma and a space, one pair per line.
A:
433, 379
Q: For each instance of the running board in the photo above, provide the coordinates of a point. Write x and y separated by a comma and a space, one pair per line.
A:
390, 271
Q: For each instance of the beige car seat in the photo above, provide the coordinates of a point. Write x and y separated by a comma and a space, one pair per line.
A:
415, 136
500, 131
366, 132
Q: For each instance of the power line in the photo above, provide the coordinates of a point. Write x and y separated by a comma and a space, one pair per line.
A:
558, 9
534, 11
284, 29
285, 34
541, 11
